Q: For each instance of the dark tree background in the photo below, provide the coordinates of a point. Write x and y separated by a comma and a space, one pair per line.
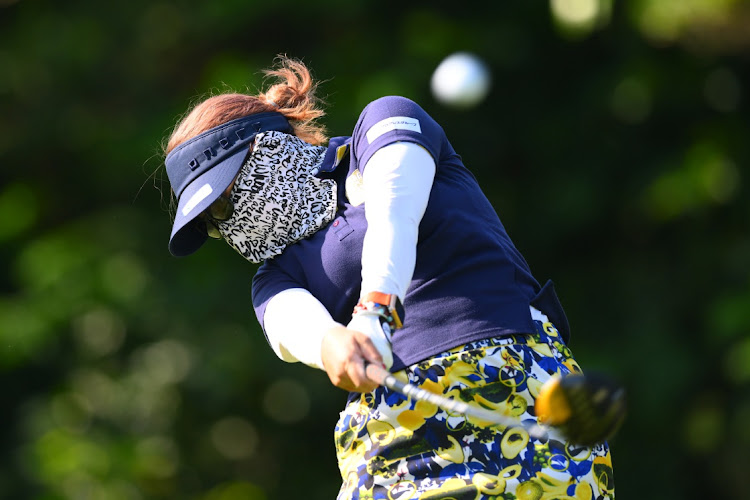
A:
614, 144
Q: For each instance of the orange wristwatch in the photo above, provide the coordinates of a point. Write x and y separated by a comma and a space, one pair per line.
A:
387, 304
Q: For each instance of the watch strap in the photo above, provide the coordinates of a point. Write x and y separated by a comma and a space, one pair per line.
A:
388, 302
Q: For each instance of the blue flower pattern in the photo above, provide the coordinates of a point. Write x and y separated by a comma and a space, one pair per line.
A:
390, 447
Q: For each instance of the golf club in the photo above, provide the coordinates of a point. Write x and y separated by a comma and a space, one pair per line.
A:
587, 410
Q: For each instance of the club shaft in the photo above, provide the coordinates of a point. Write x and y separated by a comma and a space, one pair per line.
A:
386, 379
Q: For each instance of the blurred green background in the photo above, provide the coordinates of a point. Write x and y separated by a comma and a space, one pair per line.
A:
614, 144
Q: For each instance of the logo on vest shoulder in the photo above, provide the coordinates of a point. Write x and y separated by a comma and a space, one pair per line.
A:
393, 123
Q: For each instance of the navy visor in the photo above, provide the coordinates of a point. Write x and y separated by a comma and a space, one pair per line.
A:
201, 169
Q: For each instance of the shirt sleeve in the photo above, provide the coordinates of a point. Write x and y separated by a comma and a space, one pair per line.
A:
295, 324
394, 119
397, 181
292, 319
269, 281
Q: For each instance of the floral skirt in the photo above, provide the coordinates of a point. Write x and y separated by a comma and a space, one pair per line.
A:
391, 447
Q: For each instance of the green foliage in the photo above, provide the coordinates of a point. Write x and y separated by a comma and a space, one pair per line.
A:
614, 145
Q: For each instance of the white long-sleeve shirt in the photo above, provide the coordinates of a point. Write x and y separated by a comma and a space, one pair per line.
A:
397, 181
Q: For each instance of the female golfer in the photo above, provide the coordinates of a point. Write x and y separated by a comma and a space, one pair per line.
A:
381, 248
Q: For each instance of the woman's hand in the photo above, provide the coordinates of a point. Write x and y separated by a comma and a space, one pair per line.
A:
344, 352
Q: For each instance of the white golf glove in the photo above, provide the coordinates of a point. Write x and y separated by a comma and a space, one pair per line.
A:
376, 327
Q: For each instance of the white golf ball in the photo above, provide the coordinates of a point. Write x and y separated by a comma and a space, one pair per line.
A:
461, 80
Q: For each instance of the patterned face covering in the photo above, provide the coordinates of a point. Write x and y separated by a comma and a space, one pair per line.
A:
277, 199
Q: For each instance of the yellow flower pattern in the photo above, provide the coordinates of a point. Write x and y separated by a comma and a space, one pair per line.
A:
390, 447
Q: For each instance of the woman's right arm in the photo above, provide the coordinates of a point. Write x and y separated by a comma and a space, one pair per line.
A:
299, 328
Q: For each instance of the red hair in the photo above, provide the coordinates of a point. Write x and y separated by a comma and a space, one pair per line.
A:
292, 95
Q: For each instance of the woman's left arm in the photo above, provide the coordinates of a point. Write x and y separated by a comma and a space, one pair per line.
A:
398, 180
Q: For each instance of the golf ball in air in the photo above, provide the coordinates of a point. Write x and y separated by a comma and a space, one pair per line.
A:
461, 80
